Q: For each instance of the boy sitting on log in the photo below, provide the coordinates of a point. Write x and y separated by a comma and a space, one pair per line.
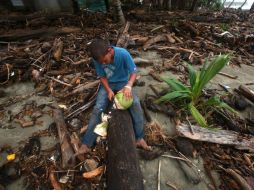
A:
117, 72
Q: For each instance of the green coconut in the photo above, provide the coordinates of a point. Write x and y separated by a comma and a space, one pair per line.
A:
121, 102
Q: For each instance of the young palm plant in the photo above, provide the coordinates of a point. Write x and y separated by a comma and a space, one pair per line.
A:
190, 95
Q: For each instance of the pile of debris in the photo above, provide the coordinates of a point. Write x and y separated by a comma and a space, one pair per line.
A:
51, 50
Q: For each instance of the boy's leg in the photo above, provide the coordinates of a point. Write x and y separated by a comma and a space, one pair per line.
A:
100, 106
138, 122
137, 117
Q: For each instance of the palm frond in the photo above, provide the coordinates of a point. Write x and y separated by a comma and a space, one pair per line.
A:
192, 75
197, 116
206, 74
216, 102
175, 84
174, 95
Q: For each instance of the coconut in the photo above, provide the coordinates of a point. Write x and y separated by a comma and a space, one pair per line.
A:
121, 102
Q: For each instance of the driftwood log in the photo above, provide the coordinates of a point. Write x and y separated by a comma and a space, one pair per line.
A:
123, 170
67, 152
225, 137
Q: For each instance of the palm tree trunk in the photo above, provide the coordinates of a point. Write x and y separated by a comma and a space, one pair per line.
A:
193, 5
118, 11
252, 8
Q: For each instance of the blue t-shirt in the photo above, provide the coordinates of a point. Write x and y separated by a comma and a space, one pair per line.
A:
118, 71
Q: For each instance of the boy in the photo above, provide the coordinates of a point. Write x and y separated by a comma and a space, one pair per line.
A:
117, 72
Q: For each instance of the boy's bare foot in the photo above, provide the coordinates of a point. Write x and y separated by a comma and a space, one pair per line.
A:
141, 143
83, 149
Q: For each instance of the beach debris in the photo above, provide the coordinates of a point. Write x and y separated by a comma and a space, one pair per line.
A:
219, 136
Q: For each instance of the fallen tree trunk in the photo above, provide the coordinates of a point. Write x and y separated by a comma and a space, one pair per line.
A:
44, 32
246, 92
123, 170
224, 137
68, 158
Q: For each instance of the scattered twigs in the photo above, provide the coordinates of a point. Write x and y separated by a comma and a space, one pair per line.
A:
227, 75
157, 28
159, 175
173, 185
81, 109
177, 158
239, 179
59, 81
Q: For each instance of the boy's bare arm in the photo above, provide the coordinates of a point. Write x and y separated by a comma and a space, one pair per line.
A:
132, 79
127, 89
104, 82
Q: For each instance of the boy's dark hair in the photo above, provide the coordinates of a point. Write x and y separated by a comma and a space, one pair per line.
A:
98, 47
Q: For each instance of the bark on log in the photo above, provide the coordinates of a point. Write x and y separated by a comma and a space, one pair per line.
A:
68, 158
247, 93
224, 137
123, 170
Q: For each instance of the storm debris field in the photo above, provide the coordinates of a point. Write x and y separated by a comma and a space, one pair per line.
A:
50, 50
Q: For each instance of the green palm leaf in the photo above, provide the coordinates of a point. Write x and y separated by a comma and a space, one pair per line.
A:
175, 84
197, 116
192, 75
216, 102
208, 73
174, 95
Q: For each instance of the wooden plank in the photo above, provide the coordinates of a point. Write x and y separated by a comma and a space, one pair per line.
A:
224, 137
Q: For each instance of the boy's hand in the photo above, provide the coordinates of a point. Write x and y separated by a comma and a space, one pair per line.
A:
110, 95
127, 92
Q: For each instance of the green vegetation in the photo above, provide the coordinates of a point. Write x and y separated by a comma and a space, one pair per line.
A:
224, 26
215, 5
189, 97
